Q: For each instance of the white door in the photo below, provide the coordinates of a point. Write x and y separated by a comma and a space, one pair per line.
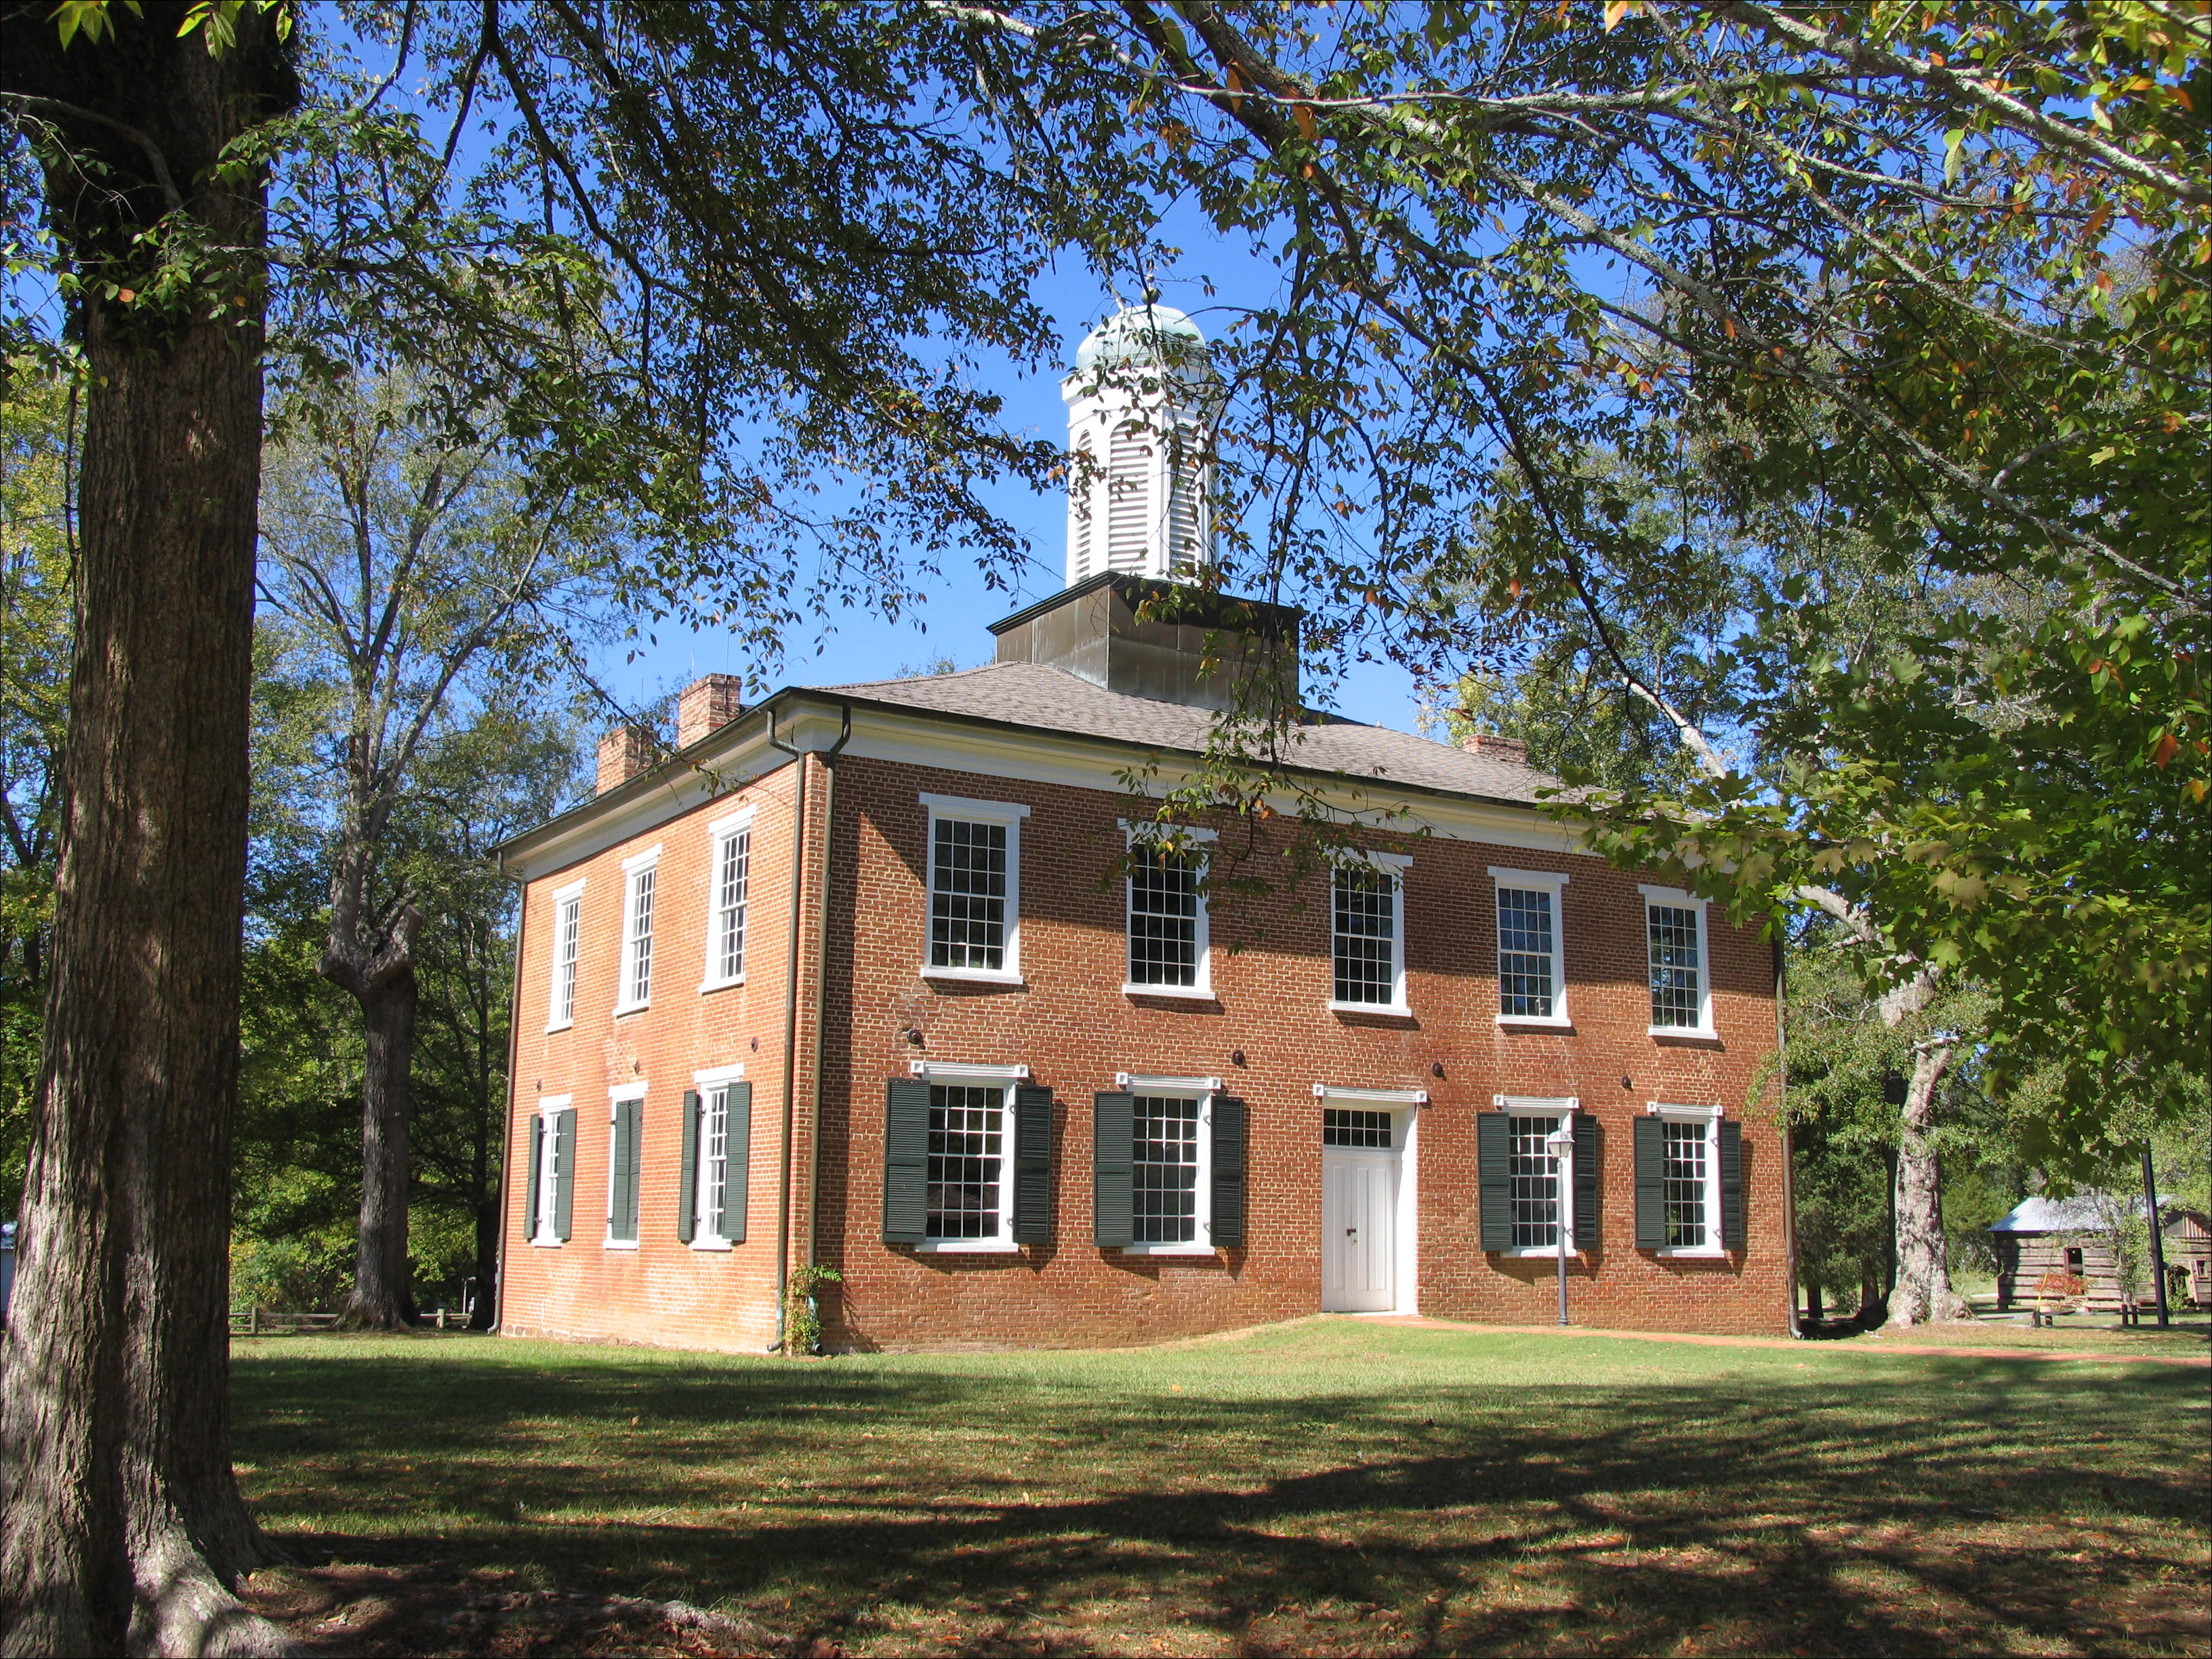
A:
1359, 1231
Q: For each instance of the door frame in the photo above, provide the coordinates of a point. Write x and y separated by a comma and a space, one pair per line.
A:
1404, 1106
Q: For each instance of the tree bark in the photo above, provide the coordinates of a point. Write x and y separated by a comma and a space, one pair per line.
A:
383, 1293
122, 1525
1923, 1294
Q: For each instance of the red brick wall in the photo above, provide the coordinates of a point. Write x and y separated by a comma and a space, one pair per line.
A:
1074, 1027
663, 1291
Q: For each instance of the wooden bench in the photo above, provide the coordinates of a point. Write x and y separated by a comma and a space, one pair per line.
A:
2064, 1289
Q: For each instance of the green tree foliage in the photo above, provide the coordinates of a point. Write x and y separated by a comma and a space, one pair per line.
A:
38, 417
1934, 277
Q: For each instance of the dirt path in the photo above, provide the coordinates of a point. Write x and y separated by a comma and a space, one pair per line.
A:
1856, 1345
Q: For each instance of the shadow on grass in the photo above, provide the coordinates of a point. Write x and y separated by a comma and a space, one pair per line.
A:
1075, 1502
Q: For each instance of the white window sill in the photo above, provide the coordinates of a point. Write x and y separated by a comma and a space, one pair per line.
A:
559, 1025
718, 1246
1538, 1253
621, 1008
977, 975
545, 1243
1193, 1248
1705, 1031
1192, 992
707, 985
1398, 1009
621, 1243
1684, 1253
968, 1247
1544, 1022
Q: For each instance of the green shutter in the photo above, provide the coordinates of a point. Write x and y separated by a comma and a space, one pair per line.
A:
622, 1173
1731, 1184
906, 1161
564, 1183
1227, 1172
1032, 1164
1650, 1184
1494, 1178
537, 1174
636, 1182
687, 1188
1113, 1144
737, 1160
1589, 1201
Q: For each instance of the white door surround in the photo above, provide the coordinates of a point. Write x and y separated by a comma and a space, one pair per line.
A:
1368, 1208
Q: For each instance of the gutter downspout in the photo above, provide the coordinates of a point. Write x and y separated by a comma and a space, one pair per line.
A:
791, 1011
1789, 1145
514, 1087
822, 976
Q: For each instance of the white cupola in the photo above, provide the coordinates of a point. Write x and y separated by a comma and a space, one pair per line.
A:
1140, 408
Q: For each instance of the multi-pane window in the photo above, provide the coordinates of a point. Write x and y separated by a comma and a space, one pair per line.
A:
733, 867
968, 1187
1683, 1176
968, 895
1166, 918
568, 941
637, 940
1340, 1127
1366, 905
549, 1178
1525, 948
1164, 1169
1677, 965
1536, 1175
714, 1162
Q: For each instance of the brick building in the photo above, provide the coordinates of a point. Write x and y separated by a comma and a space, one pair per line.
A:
902, 979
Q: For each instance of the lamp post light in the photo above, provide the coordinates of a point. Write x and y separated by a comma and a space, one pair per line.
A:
1560, 1143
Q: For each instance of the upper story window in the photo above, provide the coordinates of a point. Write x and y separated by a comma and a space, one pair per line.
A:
640, 874
729, 868
974, 889
1169, 952
1681, 982
568, 945
1367, 905
1531, 965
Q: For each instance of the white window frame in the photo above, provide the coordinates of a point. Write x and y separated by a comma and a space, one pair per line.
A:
1670, 1111
719, 834
556, 1018
1676, 898
961, 809
1201, 1089
1003, 1079
621, 1093
1561, 1109
1394, 866
1202, 928
707, 1081
635, 866
1538, 881
550, 1106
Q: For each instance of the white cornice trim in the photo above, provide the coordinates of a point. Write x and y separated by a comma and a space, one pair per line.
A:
743, 755
1378, 1097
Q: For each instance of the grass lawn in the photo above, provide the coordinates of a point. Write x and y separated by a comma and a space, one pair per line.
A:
1331, 1486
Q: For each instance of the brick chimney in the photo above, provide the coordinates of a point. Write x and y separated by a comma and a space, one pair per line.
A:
1493, 747
623, 753
706, 704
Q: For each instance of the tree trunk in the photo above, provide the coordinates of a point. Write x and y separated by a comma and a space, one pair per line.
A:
122, 1525
383, 1296
1923, 1294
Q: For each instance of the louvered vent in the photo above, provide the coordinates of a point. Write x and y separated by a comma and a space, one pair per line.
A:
1185, 485
1128, 479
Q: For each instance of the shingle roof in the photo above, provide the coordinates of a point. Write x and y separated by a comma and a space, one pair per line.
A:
1054, 700
2083, 1212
